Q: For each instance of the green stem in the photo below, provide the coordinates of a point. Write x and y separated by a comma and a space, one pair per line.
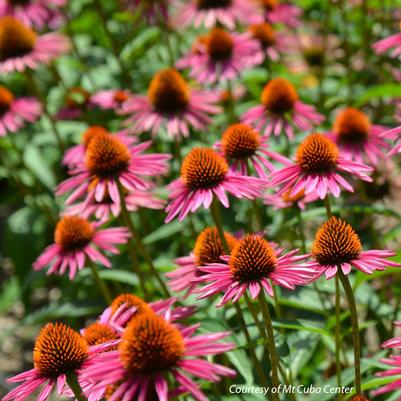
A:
338, 335
215, 209
328, 207
74, 385
100, 284
355, 328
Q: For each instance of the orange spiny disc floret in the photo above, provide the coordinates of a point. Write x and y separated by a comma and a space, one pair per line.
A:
252, 258
352, 125
168, 92
130, 300
203, 168
107, 156
98, 333
77, 98
91, 132
120, 96
240, 141
219, 44
73, 232
264, 33
269, 5
151, 344
208, 247
335, 243
279, 96
359, 398
287, 197
317, 154
6, 98
16, 39
211, 4
58, 350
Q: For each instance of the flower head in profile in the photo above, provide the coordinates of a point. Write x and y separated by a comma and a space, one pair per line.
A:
110, 161
171, 102
152, 349
204, 176
337, 245
221, 56
317, 168
16, 112
243, 146
211, 13
254, 265
208, 249
357, 138
285, 200
391, 43
75, 240
281, 110
77, 101
112, 99
279, 12
22, 48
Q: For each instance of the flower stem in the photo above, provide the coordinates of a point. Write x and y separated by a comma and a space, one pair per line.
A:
138, 241
74, 385
328, 207
270, 341
355, 328
338, 335
219, 225
100, 284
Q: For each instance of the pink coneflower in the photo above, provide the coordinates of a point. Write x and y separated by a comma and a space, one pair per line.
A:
280, 110
393, 133
58, 352
154, 349
112, 99
278, 12
170, 101
37, 13
282, 201
211, 13
208, 249
318, 163
76, 103
253, 265
221, 55
205, 175
155, 12
336, 244
108, 160
76, 239
243, 147
357, 138
22, 48
393, 43
16, 112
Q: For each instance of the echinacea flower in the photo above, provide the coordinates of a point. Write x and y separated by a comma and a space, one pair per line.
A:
211, 13
172, 102
317, 168
75, 240
205, 175
279, 12
109, 161
282, 201
254, 265
243, 146
58, 352
221, 56
337, 245
22, 48
281, 109
208, 249
357, 138
393, 133
393, 43
37, 13
154, 349
16, 112
77, 101
112, 99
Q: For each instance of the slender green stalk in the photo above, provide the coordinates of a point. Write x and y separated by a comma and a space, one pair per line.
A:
355, 328
74, 385
100, 283
215, 209
328, 206
338, 336
138, 241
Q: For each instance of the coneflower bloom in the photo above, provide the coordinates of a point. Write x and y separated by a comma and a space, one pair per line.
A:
16, 112
278, 12
393, 43
205, 175
254, 265
280, 110
243, 146
228, 96
37, 13
208, 249
211, 13
76, 103
357, 138
22, 48
285, 200
317, 168
221, 55
112, 99
337, 245
58, 351
108, 160
393, 133
153, 349
75, 240
170, 101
